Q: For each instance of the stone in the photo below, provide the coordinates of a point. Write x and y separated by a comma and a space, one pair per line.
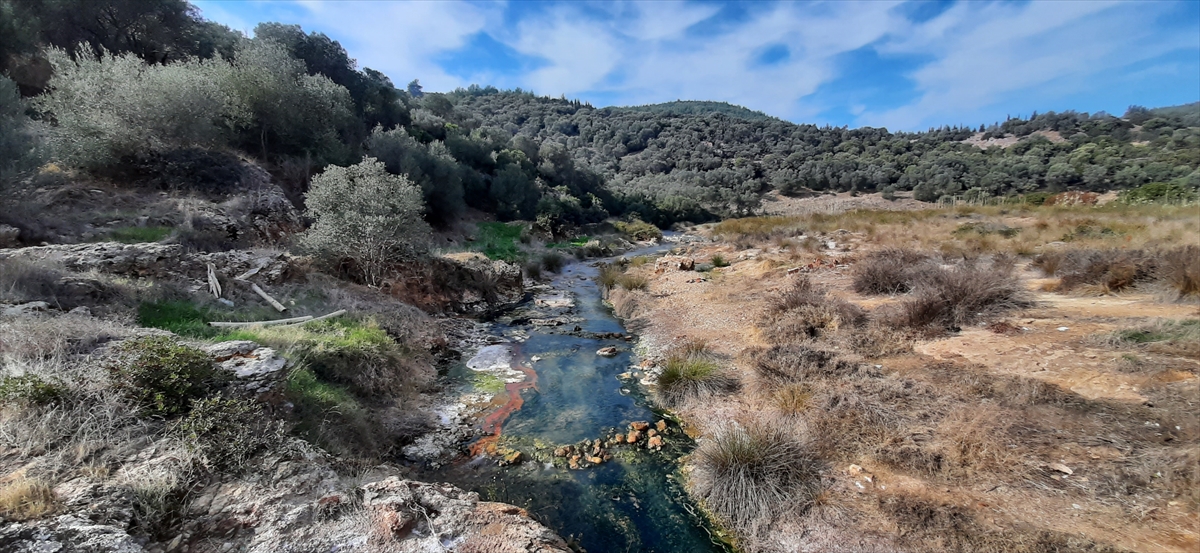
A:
595, 460
512, 457
9, 236
25, 308
607, 352
573, 462
640, 426
633, 437
655, 442
81, 311
223, 351
661, 425
1061, 468
652, 432
674, 263
619, 438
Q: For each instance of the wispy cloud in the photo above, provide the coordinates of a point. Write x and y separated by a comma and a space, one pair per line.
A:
964, 63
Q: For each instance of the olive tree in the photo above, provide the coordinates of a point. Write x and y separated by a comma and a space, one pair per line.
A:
18, 143
114, 106
366, 216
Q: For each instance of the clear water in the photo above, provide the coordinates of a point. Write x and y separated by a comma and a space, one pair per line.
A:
633, 502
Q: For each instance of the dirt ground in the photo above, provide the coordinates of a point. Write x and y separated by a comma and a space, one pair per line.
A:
1122, 410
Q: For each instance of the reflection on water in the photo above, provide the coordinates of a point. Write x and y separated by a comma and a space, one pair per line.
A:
632, 503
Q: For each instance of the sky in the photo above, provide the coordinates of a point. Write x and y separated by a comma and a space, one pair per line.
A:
905, 65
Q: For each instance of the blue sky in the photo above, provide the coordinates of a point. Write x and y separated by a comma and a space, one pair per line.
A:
905, 65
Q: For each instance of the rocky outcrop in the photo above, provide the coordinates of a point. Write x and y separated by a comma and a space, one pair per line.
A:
464, 282
289, 504
156, 260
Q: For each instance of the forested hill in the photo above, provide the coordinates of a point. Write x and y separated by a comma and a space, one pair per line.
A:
698, 107
149, 91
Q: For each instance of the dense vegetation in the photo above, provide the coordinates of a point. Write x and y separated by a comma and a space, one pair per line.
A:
143, 88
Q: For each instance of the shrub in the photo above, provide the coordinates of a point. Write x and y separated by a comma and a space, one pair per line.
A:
553, 262
804, 310
1110, 270
136, 235
429, 166
24, 498
22, 281
533, 270
228, 432
718, 260
365, 216
795, 363
499, 240
887, 271
692, 376
608, 275
1179, 268
747, 476
1176, 192
161, 375
30, 388
638, 230
961, 295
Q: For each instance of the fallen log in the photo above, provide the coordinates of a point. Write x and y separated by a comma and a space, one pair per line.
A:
278, 306
337, 313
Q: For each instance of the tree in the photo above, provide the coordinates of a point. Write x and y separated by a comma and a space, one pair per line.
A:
116, 106
414, 89
365, 216
19, 146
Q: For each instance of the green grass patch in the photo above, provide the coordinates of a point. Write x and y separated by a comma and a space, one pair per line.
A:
181, 317
137, 235
1169, 331
577, 242
499, 241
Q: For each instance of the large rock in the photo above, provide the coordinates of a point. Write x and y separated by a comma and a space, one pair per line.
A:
674, 263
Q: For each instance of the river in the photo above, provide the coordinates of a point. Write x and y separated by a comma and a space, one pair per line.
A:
633, 502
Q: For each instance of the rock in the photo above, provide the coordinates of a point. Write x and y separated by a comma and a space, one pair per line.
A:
563, 451
655, 442
661, 425
1061, 468
652, 433
25, 308
647, 364
854, 470
619, 438
9, 236
512, 457
674, 263
640, 426
259, 365
633, 437
607, 352
223, 351
1063, 328
573, 462
81, 311
595, 460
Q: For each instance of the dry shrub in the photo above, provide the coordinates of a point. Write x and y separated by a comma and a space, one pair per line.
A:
971, 440
1108, 270
796, 363
887, 271
856, 417
805, 311
878, 339
929, 524
25, 281
23, 498
954, 297
1179, 268
749, 475
792, 399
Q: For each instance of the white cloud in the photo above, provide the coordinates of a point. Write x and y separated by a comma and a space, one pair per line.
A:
983, 53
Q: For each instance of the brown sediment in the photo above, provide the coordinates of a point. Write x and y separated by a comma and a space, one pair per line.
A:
494, 421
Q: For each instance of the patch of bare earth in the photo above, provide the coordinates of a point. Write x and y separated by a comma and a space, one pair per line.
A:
1029, 432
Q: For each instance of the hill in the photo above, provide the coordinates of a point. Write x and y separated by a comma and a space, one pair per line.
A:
699, 107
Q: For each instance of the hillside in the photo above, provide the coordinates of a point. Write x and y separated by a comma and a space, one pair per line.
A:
698, 107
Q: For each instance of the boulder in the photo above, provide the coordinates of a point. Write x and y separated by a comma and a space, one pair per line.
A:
655, 443
633, 437
9, 236
607, 352
674, 263
640, 426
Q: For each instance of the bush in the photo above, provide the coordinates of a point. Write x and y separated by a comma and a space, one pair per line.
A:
692, 376
553, 262
162, 376
365, 216
638, 230
887, 271
30, 388
431, 167
719, 260
795, 363
633, 282
1179, 268
533, 270
499, 241
955, 297
805, 311
1176, 192
608, 275
747, 476
1110, 270
228, 432
22, 281
137, 235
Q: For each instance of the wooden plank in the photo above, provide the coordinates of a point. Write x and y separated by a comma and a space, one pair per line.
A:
337, 313
293, 320
214, 285
278, 306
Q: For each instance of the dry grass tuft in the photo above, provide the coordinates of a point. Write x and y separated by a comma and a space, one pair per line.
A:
805, 311
1179, 268
795, 363
1107, 270
23, 498
688, 376
749, 475
958, 296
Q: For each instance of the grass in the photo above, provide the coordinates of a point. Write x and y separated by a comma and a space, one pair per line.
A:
227, 432
179, 316
954, 297
1186, 330
499, 241
718, 260
487, 383
887, 271
23, 498
782, 365
748, 475
137, 235
553, 262
692, 376
805, 311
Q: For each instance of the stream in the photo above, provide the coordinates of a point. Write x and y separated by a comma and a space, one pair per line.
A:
561, 392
